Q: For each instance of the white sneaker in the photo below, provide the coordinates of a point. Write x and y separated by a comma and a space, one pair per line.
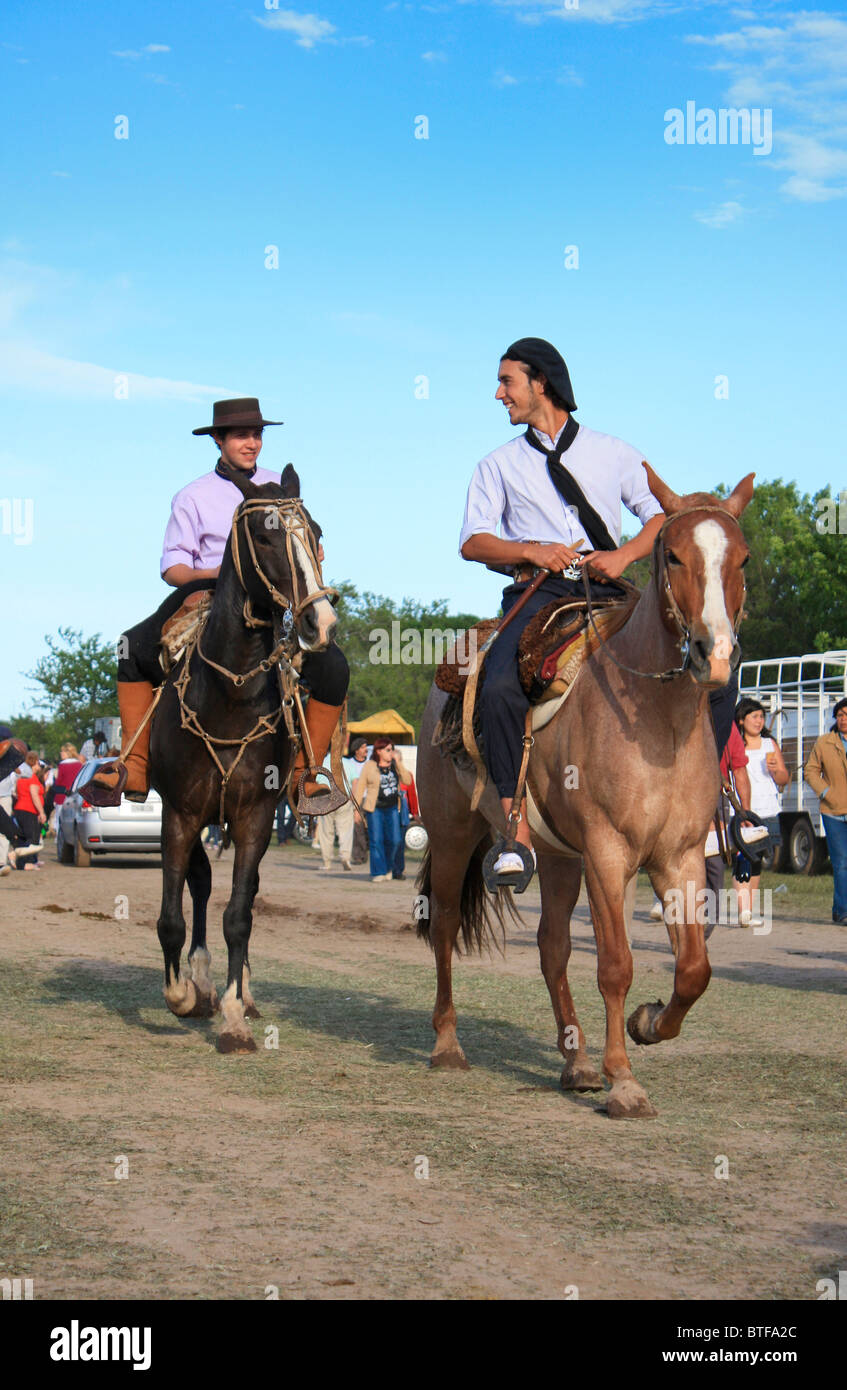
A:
510, 863
712, 845
657, 912
750, 834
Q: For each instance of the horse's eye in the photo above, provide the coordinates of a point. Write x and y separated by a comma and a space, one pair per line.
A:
672, 559
744, 561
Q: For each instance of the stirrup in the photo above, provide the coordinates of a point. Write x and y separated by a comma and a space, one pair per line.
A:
753, 845
516, 879
95, 793
323, 801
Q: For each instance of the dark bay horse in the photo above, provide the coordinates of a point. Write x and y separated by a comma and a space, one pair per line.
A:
269, 599
648, 784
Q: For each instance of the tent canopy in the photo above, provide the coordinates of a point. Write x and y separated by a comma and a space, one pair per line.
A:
388, 724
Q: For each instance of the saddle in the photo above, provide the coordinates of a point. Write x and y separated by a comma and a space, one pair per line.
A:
553, 648
183, 627
553, 645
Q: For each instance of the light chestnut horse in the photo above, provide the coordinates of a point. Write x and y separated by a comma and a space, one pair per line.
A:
648, 782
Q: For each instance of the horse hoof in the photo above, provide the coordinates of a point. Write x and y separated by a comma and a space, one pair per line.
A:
454, 1060
629, 1101
250, 1011
581, 1078
640, 1024
181, 998
235, 1042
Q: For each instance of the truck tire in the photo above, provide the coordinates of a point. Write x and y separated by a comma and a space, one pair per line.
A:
82, 856
802, 847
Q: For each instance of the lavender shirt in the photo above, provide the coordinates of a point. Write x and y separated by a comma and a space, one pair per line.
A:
201, 520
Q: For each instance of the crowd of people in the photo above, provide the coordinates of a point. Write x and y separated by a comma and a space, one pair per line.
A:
370, 827
30, 796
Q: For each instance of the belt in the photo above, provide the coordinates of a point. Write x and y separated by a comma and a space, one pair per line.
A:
524, 574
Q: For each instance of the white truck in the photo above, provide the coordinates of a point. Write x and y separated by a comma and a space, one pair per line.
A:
798, 693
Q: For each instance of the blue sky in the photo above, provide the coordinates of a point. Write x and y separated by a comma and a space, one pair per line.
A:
399, 258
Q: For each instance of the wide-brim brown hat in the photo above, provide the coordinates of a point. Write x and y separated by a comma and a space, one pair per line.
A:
243, 414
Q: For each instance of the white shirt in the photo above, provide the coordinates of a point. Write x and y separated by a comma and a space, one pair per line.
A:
764, 794
511, 488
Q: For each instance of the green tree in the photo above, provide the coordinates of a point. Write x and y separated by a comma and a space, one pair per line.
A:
796, 575
386, 644
78, 680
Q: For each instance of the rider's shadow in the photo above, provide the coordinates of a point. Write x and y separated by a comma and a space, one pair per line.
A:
399, 1034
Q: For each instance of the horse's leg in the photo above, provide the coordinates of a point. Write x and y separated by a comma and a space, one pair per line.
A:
560, 879
234, 1034
606, 885
250, 1010
200, 888
450, 862
180, 991
685, 913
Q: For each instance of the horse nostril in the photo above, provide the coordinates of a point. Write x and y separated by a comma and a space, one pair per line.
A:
699, 651
308, 626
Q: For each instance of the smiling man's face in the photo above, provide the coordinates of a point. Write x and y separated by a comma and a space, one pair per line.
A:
240, 448
519, 395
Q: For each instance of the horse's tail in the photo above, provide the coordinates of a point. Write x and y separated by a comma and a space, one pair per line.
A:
476, 905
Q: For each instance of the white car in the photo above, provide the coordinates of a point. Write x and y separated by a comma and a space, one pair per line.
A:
131, 828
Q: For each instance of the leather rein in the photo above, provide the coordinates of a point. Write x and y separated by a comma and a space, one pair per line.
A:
683, 627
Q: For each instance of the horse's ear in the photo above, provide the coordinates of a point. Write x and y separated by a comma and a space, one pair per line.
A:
740, 496
290, 481
237, 476
665, 496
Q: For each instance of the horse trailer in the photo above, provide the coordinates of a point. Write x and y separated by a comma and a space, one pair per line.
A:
798, 694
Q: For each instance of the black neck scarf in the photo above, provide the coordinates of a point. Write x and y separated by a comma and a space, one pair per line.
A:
596, 531
220, 470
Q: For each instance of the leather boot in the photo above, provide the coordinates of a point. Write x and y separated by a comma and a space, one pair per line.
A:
320, 722
134, 701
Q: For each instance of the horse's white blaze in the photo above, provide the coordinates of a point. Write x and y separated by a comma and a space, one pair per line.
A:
324, 611
712, 541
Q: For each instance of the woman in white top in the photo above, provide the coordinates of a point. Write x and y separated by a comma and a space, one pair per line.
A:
767, 772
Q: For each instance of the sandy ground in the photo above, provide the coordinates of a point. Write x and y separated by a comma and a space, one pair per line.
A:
333, 1163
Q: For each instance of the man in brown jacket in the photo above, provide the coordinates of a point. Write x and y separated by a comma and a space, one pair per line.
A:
826, 774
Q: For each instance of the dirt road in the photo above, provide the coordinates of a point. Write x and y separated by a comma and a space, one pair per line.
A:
140, 1163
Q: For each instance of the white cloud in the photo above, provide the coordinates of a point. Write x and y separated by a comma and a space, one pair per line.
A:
27, 368
569, 77
309, 28
798, 67
721, 216
596, 11
59, 174
434, 56
505, 79
135, 53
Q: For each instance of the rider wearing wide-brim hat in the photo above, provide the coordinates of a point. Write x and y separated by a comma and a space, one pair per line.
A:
195, 540
554, 494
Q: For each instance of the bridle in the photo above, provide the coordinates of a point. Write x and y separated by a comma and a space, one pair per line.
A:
683, 635
291, 515
292, 520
